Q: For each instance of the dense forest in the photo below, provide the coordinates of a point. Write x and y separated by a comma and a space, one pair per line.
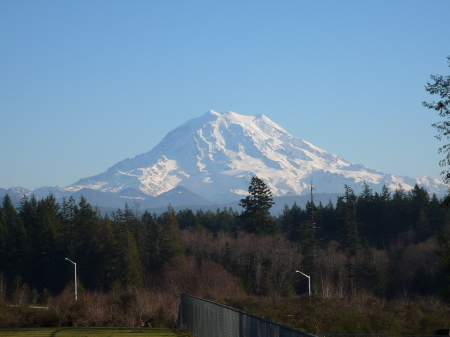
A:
389, 245
385, 243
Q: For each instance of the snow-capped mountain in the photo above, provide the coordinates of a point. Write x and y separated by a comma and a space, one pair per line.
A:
216, 155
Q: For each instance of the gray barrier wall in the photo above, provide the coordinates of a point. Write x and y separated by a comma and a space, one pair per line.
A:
203, 318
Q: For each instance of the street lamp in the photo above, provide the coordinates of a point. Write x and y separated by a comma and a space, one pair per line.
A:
309, 281
76, 294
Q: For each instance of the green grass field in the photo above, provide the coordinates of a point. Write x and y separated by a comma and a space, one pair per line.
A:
84, 332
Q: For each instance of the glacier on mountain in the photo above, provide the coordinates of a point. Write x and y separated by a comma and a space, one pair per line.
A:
215, 156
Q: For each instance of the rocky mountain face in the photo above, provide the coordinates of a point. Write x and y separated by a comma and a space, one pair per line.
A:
214, 156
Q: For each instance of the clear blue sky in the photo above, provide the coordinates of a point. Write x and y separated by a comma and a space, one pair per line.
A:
85, 84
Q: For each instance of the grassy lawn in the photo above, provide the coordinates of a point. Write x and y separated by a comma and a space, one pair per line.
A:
84, 332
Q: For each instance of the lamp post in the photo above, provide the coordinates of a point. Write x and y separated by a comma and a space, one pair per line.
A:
76, 294
309, 281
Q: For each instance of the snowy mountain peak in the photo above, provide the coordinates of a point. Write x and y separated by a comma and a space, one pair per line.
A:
216, 154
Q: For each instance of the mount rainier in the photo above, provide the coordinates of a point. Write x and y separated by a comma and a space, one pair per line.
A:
215, 156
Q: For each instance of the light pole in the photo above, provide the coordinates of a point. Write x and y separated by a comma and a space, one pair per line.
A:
309, 281
76, 293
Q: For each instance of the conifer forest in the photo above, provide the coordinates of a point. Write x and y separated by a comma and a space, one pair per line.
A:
383, 246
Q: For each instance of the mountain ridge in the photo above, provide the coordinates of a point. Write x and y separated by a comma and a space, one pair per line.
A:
215, 155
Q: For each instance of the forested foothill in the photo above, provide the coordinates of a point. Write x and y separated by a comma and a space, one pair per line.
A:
381, 255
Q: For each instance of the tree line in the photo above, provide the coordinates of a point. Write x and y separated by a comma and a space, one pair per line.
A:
110, 251
383, 242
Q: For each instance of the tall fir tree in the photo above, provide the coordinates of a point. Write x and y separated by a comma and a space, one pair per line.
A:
17, 245
399, 207
47, 244
349, 237
384, 234
151, 255
441, 87
256, 205
309, 232
171, 245
419, 200
128, 265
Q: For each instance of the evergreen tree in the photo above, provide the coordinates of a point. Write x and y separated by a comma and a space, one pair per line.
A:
308, 234
68, 209
419, 202
399, 211
47, 245
28, 213
226, 220
137, 228
256, 205
186, 219
127, 266
207, 220
383, 234
132, 274
151, 256
88, 240
17, 245
441, 87
102, 249
328, 222
366, 213
438, 216
349, 239
171, 245
286, 221
67, 217
291, 221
